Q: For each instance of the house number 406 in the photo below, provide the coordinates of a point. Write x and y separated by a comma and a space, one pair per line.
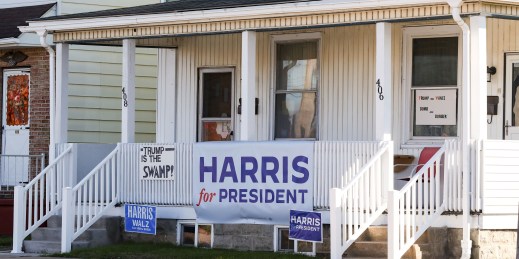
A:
379, 90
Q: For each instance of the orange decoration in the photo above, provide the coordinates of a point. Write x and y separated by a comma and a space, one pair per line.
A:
17, 100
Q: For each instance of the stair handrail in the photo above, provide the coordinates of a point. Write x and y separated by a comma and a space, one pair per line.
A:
413, 209
90, 199
355, 207
42, 197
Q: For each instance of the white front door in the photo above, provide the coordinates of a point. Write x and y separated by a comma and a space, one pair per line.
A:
215, 116
511, 121
15, 126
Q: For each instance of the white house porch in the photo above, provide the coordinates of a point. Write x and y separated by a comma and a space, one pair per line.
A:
362, 112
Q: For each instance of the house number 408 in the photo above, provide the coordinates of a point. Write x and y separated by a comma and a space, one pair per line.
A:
379, 90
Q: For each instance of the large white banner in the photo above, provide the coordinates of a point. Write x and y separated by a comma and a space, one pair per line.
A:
436, 107
252, 182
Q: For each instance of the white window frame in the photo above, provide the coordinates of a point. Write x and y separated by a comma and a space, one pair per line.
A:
410, 33
200, 120
180, 224
293, 38
276, 242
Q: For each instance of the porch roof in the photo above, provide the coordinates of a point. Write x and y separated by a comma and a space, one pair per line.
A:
190, 17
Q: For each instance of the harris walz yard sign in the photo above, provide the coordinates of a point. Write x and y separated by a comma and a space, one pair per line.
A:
140, 219
157, 162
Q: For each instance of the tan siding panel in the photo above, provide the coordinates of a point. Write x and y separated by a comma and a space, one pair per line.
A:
95, 84
98, 86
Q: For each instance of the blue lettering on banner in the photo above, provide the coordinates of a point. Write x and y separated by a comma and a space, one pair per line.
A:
306, 226
256, 182
269, 170
140, 219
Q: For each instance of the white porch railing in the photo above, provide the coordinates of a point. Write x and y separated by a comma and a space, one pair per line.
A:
413, 209
177, 193
356, 206
17, 169
336, 163
41, 197
90, 199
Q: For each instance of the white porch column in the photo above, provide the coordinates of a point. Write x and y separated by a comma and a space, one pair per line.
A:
478, 77
383, 83
166, 98
62, 65
248, 86
128, 92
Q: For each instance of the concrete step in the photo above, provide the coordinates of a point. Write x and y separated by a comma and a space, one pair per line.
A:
55, 222
54, 234
47, 240
49, 247
368, 249
376, 233
379, 233
373, 244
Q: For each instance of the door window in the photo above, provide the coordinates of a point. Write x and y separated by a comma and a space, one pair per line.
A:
297, 79
17, 100
216, 105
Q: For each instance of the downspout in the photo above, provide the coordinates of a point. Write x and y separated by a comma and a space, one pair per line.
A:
466, 243
52, 91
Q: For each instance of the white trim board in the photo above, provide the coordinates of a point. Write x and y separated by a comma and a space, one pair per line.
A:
276, 10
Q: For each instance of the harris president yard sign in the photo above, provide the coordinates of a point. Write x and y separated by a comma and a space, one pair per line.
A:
252, 182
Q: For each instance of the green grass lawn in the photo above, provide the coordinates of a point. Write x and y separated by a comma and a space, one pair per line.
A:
148, 251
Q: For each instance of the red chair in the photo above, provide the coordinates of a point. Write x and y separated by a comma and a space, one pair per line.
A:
426, 155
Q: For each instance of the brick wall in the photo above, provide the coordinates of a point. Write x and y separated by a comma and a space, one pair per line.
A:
38, 63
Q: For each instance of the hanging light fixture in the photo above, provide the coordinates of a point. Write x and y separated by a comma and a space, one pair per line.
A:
490, 72
13, 57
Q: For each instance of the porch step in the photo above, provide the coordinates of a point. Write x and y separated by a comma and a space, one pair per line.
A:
373, 244
50, 247
48, 239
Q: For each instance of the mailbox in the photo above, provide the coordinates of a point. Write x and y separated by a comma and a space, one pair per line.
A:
492, 102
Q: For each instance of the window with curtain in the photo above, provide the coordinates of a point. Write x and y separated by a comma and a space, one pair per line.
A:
297, 79
434, 87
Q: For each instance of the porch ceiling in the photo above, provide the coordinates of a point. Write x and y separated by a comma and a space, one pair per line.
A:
161, 33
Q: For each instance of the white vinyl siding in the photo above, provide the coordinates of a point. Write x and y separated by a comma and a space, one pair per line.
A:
345, 98
500, 177
202, 52
502, 37
346, 92
95, 85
